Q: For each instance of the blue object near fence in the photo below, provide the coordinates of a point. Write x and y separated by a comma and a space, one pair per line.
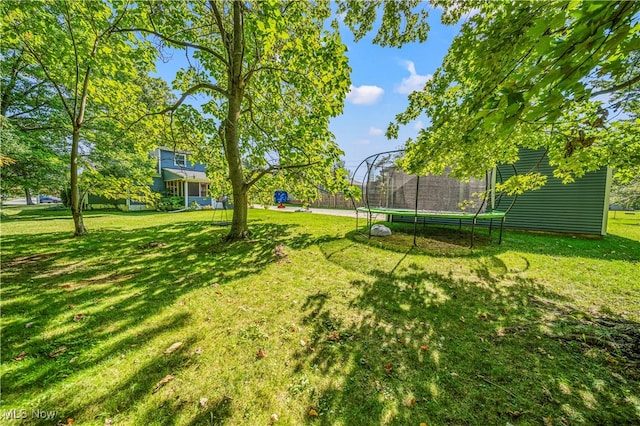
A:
281, 196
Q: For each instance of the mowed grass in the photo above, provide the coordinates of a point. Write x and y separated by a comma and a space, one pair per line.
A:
152, 320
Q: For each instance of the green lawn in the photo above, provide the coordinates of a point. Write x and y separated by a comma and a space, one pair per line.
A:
312, 322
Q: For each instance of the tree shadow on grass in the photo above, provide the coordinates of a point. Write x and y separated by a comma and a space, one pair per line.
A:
71, 306
431, 348
449, 241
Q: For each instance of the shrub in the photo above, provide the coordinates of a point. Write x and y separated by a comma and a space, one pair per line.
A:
170, 203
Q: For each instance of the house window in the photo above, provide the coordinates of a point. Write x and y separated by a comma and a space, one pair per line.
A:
180, 160
194, 189
174, 188
198, 189
204, 189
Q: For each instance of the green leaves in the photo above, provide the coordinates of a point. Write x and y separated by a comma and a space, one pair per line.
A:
527, 74
90, 71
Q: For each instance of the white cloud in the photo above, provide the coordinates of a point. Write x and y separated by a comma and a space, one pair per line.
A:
418, 125
362, 142
364, 95
374, 131
414, 82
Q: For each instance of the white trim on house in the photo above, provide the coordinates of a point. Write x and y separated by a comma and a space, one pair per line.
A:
186, 194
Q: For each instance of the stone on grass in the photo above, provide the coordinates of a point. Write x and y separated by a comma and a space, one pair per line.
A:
380, 231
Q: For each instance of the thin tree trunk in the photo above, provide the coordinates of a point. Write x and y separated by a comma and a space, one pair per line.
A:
76, 202
27, 196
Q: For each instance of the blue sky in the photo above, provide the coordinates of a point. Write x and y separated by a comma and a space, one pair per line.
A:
381, 79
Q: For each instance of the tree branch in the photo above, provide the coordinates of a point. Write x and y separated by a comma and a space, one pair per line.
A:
218, 17
274, 168
175, 41
51, 80
617, 87
67, 19
191, 91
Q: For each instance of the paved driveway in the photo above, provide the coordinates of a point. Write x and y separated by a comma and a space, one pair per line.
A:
333, 212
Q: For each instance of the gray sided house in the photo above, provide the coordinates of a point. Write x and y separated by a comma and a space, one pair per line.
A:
178, 176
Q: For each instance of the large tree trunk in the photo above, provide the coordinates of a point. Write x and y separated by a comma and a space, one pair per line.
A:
76, 202
239, 228
27, 196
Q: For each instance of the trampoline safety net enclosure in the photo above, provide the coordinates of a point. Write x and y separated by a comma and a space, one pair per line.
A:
386, 189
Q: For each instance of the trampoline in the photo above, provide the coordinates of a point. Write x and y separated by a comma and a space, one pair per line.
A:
402, 197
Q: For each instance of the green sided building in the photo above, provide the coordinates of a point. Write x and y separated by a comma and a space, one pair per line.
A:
580, 207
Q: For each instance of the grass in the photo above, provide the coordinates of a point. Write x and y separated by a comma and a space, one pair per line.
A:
314, 323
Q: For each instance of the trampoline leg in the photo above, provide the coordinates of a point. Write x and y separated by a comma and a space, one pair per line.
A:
490, 226
501, 225
460, 225
473, 229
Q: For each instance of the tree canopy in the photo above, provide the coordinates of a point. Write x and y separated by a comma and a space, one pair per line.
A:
553, 75
29, 128
271, 76
91, 75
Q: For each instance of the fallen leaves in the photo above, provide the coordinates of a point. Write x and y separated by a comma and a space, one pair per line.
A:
203, 402
57, 352
281, 254
334, 336
163, 382
152, 244
388, 368
171, 349
424, 348
261, 354
20, 357
313, 413
78, 317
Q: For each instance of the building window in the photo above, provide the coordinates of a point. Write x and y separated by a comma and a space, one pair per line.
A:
198, 189
174, 188
204, 189
180, 160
